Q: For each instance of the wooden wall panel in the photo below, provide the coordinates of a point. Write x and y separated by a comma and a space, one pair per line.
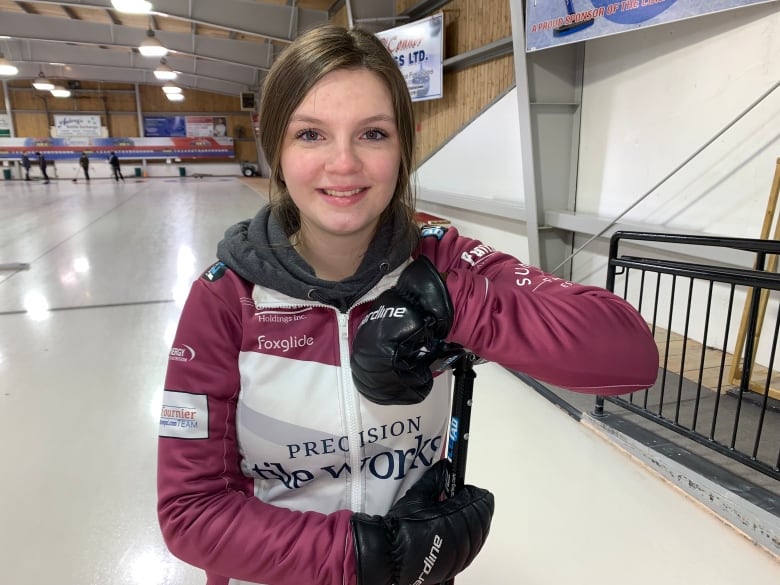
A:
468, 25
340, 18
246, 150
123, 125
31, 124
154, 101
466, 94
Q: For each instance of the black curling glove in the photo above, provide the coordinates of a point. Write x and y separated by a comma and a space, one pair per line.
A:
397, 341
423, 539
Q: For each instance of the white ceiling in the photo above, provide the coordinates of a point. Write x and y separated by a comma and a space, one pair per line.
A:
222, 46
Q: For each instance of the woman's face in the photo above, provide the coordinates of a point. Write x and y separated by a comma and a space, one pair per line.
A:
340, 155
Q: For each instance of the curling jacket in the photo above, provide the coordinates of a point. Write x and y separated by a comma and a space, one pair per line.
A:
266, 448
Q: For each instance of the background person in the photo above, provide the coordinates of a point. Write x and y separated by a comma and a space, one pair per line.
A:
25, 161
255, 488
113, 160
42, 163
84, 162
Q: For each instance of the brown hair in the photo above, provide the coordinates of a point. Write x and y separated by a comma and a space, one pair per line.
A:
310, 57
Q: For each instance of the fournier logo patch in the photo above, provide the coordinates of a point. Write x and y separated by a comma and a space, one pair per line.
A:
184, 415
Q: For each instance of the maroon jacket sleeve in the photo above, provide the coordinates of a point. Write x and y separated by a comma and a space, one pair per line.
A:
206, 508
578, 337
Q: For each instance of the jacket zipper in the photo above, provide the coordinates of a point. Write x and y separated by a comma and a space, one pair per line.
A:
352, 412
357, 484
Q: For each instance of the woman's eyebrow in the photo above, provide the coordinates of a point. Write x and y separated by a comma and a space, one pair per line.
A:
318, 121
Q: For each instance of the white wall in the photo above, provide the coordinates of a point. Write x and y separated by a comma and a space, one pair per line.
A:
651, 98
483, 159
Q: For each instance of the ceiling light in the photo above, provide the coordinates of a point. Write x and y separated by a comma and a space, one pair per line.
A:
6, 68
60, 92
175, 97
169, 88
42, 83
151, 46
164, 72
132, 6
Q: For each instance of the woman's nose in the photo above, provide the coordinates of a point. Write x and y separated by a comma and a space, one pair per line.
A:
343, 158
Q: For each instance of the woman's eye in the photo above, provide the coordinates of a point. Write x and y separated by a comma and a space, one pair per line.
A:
375, 134
308, 135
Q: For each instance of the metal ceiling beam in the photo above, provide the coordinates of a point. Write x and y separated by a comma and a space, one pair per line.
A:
424, 8
130, 75
101, 52
43, 29
74, 55
252, 18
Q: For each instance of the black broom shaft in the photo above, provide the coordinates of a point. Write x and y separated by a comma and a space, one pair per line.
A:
460, 421
460, 425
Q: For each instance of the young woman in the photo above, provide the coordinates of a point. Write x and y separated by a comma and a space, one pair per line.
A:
301, 425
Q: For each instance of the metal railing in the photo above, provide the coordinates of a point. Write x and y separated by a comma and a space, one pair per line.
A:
708, 321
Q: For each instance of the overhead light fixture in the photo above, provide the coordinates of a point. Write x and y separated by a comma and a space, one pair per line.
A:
169, 88
132, 6
6, 67
164, 72
60, 92
151, 46
175, 97
42, 83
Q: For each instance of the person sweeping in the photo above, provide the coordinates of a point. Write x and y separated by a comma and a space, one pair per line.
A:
84, 164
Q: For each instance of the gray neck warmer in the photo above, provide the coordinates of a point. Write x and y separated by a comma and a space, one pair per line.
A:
259, 251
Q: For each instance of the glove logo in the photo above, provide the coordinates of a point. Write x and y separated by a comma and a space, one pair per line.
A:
430, 561
384, 312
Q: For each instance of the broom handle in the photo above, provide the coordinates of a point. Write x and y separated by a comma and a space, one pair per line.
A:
460, 424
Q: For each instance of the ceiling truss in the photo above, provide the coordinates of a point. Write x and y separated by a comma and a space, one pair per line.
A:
221, 46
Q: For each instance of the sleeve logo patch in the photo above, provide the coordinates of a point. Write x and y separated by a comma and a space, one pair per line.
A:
181, 354
216, 271
184, 415
433, 231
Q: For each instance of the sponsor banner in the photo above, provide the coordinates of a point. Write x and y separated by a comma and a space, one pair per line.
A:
77, 125
550, 23
156, 126
5, 125
178, 126
418, 48
129, 148
256, 125
200, 126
